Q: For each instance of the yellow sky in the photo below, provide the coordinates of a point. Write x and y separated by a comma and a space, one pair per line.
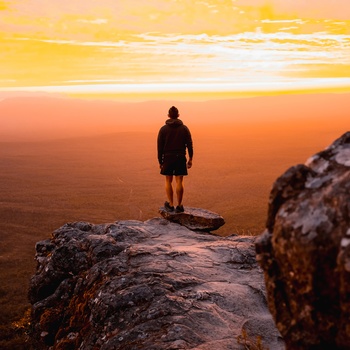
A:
132, 46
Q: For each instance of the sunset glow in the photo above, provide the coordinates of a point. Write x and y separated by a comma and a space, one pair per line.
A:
174, 46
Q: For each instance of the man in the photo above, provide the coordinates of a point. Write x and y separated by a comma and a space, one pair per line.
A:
173, 139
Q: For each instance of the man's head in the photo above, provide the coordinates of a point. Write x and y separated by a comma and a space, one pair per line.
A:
173, 113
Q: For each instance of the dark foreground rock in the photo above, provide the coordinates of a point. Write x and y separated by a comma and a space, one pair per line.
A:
305, 251
148, 285
195, 219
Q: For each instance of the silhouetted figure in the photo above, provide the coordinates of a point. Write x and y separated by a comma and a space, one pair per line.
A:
173, 139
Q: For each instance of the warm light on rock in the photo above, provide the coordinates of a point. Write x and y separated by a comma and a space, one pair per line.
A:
305, 251
148, 285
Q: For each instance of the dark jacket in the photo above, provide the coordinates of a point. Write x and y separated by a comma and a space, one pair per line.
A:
173, 138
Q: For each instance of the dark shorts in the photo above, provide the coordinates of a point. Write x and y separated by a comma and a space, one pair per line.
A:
174, 164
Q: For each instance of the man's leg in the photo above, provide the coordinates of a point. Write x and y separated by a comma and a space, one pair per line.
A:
179, 189
169, 189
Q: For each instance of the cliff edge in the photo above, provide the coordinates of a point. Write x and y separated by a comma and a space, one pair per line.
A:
148, 285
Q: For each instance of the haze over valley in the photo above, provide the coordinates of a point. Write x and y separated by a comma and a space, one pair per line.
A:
65, 160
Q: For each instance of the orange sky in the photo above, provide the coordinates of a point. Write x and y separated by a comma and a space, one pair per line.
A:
161, 47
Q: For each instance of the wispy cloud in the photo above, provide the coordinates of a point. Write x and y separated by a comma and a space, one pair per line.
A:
93, 21
172, 42
204, 86
298, 21
243, 58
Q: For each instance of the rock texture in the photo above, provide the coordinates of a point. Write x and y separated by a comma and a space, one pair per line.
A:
148, 285
305, 251
195, 219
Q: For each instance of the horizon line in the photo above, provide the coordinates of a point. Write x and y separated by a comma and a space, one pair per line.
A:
224, 90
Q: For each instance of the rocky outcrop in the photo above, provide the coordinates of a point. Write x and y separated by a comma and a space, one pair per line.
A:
195, 219
148, 285
305, 251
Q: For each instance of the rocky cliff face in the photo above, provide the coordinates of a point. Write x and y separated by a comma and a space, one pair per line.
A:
148, 285
305, 251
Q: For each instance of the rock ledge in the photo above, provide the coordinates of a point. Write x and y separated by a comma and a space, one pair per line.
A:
195, 219
150, 285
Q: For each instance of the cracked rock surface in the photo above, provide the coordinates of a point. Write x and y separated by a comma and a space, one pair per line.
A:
305, 251
148, 285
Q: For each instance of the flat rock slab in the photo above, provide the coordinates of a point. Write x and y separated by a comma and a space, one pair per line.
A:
195, 219
153, 285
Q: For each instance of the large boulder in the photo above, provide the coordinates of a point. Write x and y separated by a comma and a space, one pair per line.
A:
305, 251
148, 285
195, 219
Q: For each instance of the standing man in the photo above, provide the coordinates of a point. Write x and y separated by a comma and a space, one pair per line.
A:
173, 139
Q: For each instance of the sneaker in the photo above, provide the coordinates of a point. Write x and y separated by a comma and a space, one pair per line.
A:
168, 207
179, 209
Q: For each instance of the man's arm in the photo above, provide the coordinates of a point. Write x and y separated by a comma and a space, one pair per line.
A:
189, 145
189, 163
160, 147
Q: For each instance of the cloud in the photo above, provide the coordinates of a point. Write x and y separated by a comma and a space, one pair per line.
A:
298, 21
287, 28
67, 19
110, 41
203, 55
93, 21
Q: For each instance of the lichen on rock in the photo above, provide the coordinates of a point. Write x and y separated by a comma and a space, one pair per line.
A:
304, 251
147, 285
